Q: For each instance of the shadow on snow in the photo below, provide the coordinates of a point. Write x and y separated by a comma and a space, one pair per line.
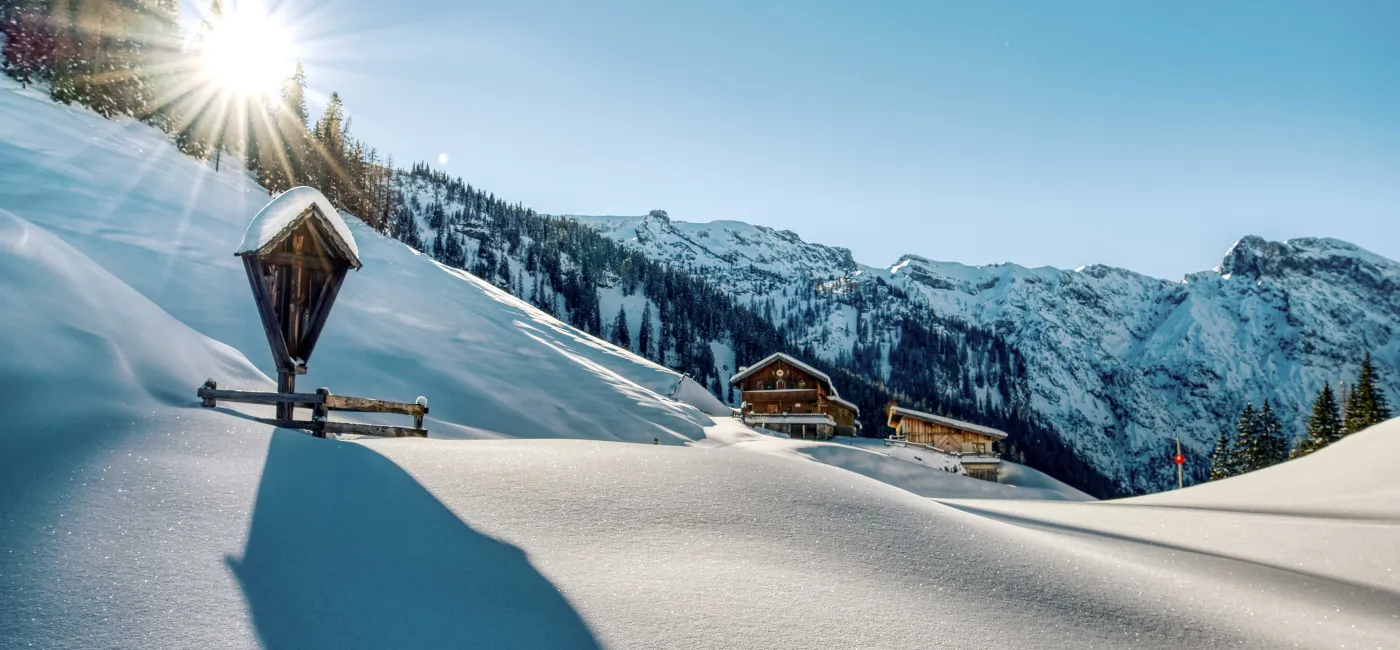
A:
346, 549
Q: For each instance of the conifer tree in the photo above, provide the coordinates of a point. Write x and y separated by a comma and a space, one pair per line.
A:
1272, 446
294, 97
1324, 425
1221, 462
644, 334
1365, 404
29, 41
1245, 449
621, 335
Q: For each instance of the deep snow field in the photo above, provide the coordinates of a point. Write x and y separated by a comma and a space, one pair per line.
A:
132, 518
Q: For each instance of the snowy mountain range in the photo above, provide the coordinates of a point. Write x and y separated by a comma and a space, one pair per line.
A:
1117, 363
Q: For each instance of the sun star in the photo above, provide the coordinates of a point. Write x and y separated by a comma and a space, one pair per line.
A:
246, 51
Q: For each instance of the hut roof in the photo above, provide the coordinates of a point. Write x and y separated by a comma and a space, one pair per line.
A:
285, 212
776, 356
850, 405
945, 421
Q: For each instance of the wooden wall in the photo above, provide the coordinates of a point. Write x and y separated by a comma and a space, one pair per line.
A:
812, 400
944, 437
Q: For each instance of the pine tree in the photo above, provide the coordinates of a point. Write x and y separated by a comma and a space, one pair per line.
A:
1245, 449
1272, 445
1325, 425
29, 41
1366, 404
644, 334
294, 97
1221, 462
327, 163
621, 335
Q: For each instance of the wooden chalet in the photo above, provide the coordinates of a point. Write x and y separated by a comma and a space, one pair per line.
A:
783, 394
971, 442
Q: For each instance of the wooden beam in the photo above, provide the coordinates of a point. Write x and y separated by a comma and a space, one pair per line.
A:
363, 405
356, 428
280, 356
321, 311
281, 258
352, 428
255, 397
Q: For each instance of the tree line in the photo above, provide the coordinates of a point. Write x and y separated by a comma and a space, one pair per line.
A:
1258, 440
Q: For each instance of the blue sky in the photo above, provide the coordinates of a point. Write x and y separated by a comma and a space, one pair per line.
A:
1144, 135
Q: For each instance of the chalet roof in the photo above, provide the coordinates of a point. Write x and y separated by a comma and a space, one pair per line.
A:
776, 356
836, 398
287, 211
948, 422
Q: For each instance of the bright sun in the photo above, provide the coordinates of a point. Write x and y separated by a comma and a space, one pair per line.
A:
246, 51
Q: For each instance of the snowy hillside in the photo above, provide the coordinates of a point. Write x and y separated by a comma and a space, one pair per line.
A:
1116, 362
132, 518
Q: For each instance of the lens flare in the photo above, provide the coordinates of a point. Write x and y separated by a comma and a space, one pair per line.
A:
246, 51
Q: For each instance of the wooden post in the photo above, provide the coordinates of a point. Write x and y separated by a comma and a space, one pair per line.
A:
286, 383
1180, 483
318, 412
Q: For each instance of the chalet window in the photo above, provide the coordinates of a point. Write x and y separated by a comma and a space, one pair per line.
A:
781, 384
980, 448
802, 383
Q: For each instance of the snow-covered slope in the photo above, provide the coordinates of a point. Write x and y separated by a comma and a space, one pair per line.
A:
132, 518
403, 326
1117, 362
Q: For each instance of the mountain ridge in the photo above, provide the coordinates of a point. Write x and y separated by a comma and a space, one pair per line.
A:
1118, 360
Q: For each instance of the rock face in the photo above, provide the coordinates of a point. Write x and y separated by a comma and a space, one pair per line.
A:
1118, 363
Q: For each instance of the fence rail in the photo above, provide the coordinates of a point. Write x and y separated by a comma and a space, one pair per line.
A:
321, 402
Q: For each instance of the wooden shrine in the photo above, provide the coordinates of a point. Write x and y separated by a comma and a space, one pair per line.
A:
297, 251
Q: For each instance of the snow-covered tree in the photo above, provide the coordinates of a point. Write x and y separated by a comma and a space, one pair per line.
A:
1272, 445
1366, 404
1246, 446
1221, 459
1325, 424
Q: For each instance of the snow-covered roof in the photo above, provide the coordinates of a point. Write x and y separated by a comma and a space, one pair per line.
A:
837, 398
798, 364
284, 213
950, 422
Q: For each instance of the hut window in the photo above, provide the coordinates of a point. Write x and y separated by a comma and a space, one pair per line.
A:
980, 448
781, 384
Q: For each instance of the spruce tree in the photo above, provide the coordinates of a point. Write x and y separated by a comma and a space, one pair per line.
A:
294, 97
1366, 404
1325, 425
644, 334
28, 49
1272, 445
621, 335
1246, 446
1221, 462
